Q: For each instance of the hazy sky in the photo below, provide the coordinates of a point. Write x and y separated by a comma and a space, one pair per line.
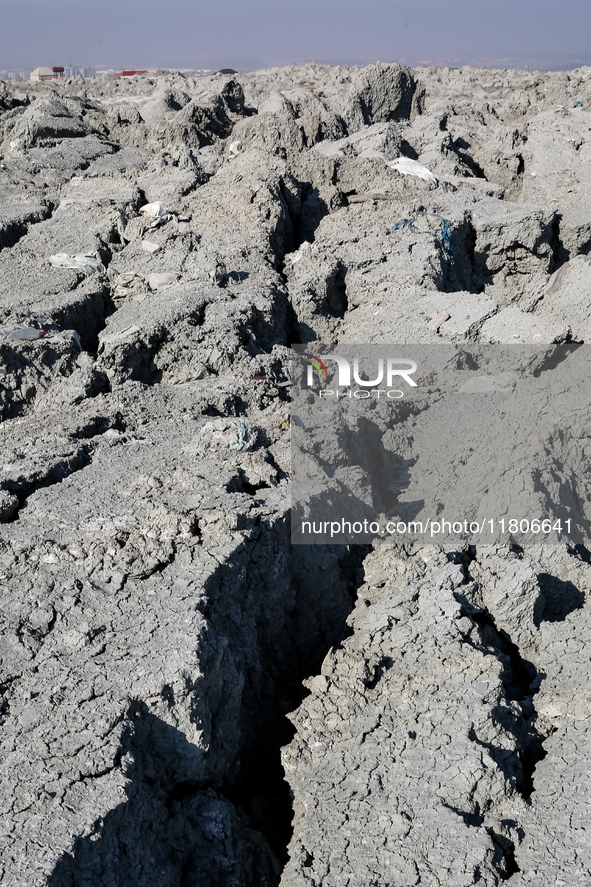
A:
260, 33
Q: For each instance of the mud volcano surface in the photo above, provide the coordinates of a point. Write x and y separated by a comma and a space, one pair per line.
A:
188, 699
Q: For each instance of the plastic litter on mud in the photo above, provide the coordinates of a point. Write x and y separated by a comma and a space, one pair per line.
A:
408, 167
88, 262
27, 332
154, 210
444, 233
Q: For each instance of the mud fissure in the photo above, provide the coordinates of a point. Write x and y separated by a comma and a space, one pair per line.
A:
12, 232
260, 790
521, 682
63, 468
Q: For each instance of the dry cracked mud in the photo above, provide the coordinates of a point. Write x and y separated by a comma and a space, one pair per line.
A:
186, 698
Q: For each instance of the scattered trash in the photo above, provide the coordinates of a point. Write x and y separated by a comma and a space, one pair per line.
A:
81, 262
578, 104
160, 214
228, 434
156, 209
444, 233
235, 149
406, 224
436, 321
409, 167
246, 437
150, 247
160, 281
32, 326
26, 332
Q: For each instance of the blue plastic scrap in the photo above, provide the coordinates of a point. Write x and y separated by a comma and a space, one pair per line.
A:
444, 234
406, 223
246, 438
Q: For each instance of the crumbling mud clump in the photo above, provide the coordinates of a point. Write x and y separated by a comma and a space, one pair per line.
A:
187, 699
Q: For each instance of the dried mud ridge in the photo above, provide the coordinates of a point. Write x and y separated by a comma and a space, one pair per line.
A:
187, 699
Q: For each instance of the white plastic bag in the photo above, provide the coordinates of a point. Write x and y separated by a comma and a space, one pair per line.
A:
409, 167
156, 209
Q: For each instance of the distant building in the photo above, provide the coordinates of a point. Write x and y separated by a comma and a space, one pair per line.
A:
43, 74
129, 73
5, 74
226, 71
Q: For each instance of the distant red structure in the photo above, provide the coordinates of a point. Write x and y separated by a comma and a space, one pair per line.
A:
57, 70
129, 73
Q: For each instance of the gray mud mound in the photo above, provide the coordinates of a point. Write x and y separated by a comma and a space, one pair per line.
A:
185, 698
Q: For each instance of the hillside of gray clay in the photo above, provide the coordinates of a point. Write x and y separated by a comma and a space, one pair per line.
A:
188, 700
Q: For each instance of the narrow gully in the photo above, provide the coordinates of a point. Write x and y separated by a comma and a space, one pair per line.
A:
260, 790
